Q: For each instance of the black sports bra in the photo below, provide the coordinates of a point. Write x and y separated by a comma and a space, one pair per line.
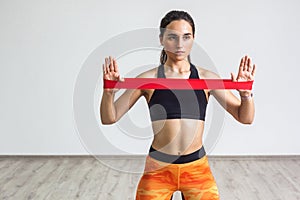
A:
177, 104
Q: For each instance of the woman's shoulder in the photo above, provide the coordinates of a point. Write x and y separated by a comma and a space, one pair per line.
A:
206, 74
151, 73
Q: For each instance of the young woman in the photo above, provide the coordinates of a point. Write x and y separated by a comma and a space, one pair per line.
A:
177, 159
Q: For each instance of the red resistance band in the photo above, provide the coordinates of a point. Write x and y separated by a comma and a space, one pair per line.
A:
163, 83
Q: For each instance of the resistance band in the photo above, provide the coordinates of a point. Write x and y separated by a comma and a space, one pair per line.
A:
163, 83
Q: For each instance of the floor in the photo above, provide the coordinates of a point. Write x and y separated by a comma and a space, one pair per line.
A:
116, 178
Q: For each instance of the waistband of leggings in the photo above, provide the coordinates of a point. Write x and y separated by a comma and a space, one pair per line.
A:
177, 159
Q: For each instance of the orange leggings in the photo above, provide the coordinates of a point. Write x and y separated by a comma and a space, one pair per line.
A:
160, 180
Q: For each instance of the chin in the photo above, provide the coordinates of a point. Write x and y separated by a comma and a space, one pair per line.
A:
179, 57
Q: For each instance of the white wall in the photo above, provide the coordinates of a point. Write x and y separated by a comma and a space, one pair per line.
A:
47, 46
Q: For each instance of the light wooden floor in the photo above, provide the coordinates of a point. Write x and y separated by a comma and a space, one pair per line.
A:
86, 178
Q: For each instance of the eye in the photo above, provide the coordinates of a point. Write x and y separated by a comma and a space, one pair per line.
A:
172, 37
186, 37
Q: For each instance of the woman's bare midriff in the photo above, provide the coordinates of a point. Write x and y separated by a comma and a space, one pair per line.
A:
177, 136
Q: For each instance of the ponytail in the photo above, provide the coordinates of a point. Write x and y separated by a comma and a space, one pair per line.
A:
163, 57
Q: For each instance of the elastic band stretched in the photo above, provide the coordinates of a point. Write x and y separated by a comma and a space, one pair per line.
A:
163, 83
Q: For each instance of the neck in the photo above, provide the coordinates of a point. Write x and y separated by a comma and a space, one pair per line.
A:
177, 66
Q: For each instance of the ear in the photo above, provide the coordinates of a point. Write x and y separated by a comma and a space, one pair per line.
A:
161, 40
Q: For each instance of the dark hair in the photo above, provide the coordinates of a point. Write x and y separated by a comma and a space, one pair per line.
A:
168, 18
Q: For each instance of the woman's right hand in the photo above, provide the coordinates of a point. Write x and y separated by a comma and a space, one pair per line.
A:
111, 72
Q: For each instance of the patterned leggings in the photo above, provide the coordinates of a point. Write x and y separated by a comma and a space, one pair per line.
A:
160, 180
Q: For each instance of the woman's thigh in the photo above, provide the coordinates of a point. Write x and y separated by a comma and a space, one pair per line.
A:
158, 182
197, 181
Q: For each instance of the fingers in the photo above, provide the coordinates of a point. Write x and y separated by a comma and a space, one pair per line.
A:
246, 69
242, 65
104, 69
110, 69
104, 66
107, 70
253, 70
115, 65
246, 64
122, 79
111, 64
249, 65
233, 78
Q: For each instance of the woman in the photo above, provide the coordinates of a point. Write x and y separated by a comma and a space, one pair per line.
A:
177, 159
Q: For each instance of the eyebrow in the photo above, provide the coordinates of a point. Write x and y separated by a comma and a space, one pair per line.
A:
173, 34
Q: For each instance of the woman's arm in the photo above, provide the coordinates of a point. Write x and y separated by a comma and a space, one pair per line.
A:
241, 109
111, 111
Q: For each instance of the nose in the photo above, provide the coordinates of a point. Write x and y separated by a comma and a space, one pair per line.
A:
179, 42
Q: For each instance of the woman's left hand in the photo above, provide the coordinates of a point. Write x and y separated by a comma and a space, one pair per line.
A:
246, 73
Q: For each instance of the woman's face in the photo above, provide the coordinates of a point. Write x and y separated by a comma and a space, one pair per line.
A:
178, 40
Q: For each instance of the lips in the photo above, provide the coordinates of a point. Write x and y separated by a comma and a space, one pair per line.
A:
179, 52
